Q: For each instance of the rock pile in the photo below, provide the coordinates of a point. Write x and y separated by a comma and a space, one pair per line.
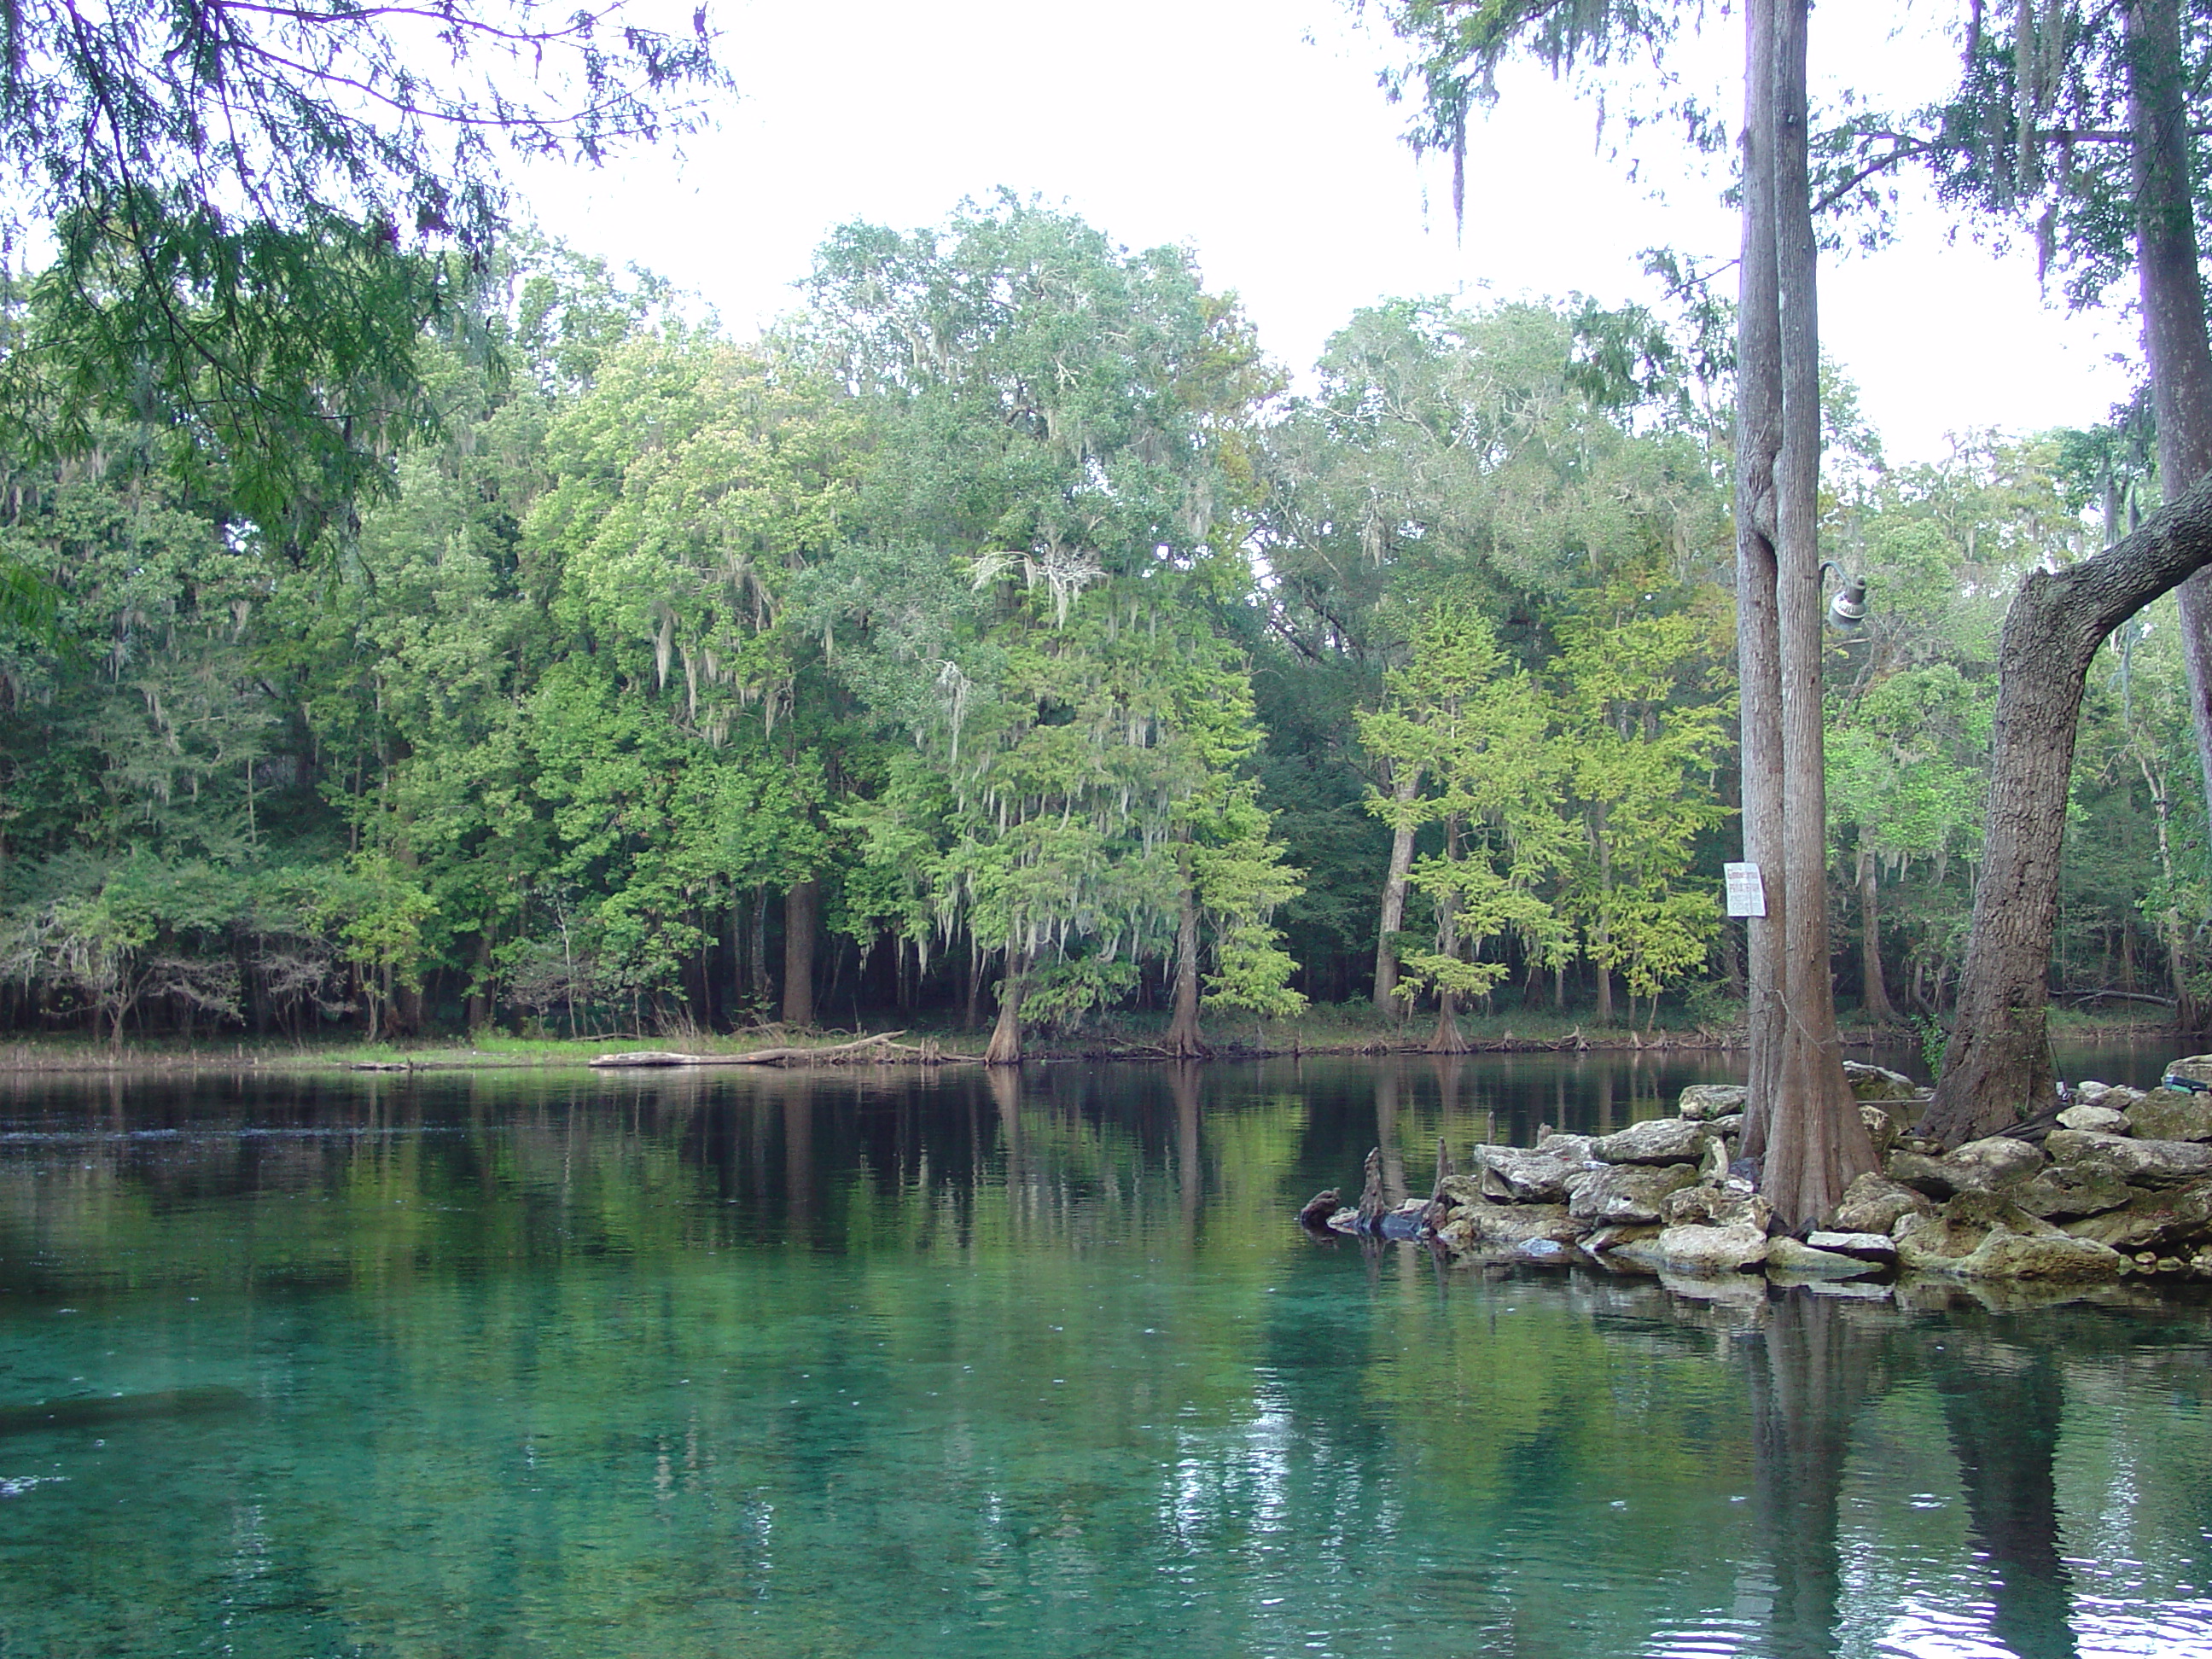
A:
2123, 1186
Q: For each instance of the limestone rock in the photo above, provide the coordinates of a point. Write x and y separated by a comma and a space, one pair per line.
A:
2100, 1120
1985, 1236
1882, 1128
1878, 1082
2007, 1254
1576, 1149
2167, 1115
1655, 1140
2000, 1158
2089, 1091
1500, 1228
1606, 1240
1700, 1249
1626, 1194
1517, 1176
2119, 1097
2066, 1190
1703, 1102
1979, 1166
1788, 1258
1872, 1247
1707, 1205
1873, 1204
2152, 1219
2144, 1163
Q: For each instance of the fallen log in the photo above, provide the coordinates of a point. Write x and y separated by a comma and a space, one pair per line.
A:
637, 1059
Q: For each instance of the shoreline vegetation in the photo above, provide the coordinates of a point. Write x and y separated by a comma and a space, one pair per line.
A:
1346, 1032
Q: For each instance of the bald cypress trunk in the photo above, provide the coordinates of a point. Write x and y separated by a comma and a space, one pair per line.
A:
1803, 1122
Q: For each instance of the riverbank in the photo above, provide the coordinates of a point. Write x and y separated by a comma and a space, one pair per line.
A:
1351, 1029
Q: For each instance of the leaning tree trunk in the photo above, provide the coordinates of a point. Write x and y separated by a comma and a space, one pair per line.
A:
2174, 338
1997, 1067
1184, 1041
801, 908
1406, 785
1006, 1046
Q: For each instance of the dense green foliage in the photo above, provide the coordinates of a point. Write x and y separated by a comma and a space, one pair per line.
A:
1004, 602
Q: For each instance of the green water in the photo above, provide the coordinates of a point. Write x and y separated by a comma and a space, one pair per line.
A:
883, 1363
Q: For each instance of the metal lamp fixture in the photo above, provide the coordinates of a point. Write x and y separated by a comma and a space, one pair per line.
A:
1847, 610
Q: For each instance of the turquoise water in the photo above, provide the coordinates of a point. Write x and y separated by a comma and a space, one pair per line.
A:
887, 1364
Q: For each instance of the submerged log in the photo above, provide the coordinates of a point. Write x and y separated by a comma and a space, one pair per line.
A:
641, 1058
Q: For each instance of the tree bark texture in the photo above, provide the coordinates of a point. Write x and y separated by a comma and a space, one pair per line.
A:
1005, 1045
1874, 990
2175, 342
1815, 1142
802, 907
1997, 1067
1759, 637
1404, 787
1184, 1040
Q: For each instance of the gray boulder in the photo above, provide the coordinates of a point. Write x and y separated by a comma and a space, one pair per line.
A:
1703, 1102
1503, 1229
2144, 1163
2067, 1190
2152, 1219
1625, 1194
1576, 1149
1788, 1258
1979, 1166
1873, 1204
1729, 1204
1517, 1176
1655, 1140
1871, 1246
2100, 1120
2168, 1115
1701, 1249
1984, 1236
1879, 1082
1882, 1127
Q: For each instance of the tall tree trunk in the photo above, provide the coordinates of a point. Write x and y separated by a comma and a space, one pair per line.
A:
1006, 1047
1184, 1040
801, 910
2175, 342
1759, 633
1446, 1039
1816, 1142
1997, 1067
1404, 787
1874, 990
2187, 1014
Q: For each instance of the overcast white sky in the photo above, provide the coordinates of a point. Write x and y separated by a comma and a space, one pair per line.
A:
1252, 132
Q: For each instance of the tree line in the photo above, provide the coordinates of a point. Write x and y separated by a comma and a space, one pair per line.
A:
1000, 638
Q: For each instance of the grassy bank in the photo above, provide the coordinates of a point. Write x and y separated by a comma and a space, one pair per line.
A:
1345, 1029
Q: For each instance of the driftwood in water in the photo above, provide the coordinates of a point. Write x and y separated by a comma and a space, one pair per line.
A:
1372, 1204
641, 1057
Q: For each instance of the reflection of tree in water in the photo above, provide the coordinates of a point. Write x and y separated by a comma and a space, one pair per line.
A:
1815, 1374
1816, 1368
2002, 1404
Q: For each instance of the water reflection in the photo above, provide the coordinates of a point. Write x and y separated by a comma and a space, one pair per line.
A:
1025, 1362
